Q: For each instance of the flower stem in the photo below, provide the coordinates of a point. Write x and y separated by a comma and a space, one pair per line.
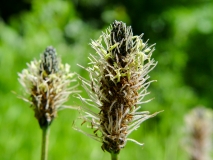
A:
114, 156
44, 148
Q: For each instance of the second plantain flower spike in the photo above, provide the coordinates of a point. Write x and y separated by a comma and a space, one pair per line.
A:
117, 86
47, 83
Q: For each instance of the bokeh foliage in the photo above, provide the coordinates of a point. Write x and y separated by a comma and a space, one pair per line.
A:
183, 33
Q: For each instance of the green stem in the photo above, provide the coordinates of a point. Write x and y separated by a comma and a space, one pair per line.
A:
114, 156
44, 148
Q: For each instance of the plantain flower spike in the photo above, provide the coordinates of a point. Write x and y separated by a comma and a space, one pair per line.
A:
199, 131
46, 83
117, 86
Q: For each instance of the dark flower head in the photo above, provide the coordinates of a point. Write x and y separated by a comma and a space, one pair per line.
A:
49, 61
120, 34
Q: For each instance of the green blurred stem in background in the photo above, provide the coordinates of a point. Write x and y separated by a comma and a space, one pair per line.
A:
44, 148
114, 156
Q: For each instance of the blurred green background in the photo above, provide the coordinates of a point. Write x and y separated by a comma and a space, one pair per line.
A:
183, 33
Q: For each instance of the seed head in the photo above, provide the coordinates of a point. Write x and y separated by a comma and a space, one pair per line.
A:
118, 83
46, 83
